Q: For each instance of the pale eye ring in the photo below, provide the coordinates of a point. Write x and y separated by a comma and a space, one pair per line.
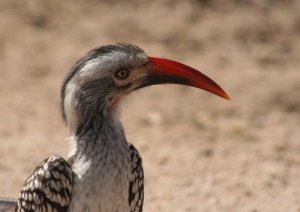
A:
122, 74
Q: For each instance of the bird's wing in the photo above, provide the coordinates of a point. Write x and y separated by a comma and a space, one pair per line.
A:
7, 205
48, 188
136, 184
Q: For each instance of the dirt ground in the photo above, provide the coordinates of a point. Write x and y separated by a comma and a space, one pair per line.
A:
200, 152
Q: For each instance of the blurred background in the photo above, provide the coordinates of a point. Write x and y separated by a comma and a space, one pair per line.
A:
200, 152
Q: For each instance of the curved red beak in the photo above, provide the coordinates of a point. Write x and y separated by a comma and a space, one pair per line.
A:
168, 71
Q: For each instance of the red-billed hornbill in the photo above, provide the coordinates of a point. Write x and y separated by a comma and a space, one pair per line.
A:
104, 172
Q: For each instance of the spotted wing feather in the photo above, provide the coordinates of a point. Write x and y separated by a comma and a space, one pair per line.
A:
48, 188
136, 184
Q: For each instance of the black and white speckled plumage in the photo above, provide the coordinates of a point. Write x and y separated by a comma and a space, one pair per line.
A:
49, 188
105, 172
136, 184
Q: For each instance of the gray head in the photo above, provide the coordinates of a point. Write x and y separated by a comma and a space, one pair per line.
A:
104, 75
98, 80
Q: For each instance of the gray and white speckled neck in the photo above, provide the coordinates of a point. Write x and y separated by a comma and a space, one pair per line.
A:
102, 167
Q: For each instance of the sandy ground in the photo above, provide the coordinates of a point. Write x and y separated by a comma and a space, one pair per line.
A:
200, 153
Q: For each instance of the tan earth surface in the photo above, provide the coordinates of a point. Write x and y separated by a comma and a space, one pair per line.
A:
200, 152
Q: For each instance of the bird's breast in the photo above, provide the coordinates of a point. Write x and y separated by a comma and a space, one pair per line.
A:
101, 183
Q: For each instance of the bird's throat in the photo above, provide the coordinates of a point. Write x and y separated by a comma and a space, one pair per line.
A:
101, 162
98, 134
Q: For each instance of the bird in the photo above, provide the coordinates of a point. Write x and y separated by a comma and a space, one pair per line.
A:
103, 172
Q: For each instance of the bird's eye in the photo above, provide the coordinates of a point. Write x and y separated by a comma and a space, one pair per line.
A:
122, 74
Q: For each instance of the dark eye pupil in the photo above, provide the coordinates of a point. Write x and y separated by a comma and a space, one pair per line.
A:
122, 74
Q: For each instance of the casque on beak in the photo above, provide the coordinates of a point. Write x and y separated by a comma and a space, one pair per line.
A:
167, 71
